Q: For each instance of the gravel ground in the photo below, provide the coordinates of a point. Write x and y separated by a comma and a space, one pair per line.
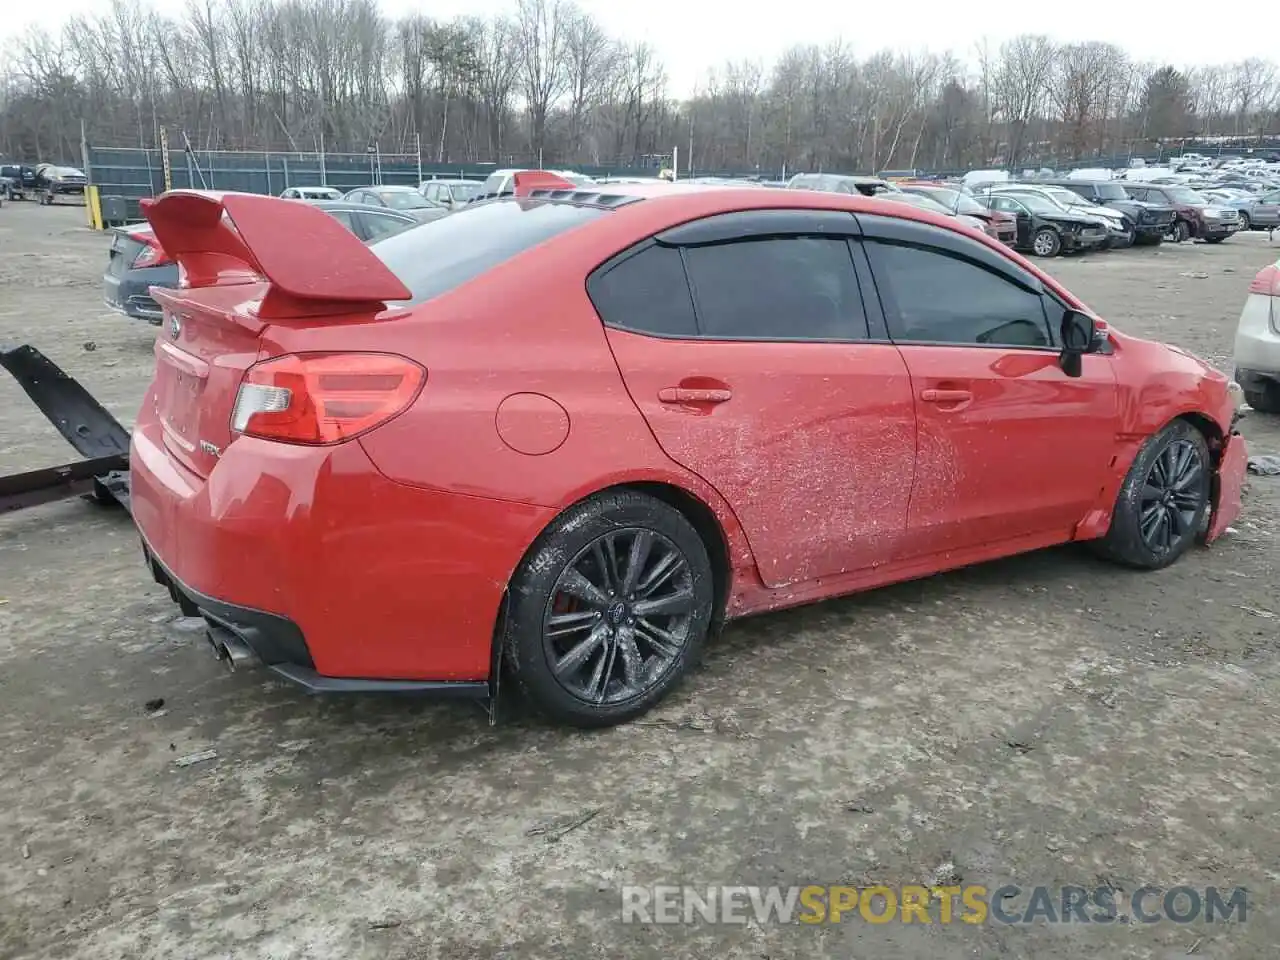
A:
1046, 720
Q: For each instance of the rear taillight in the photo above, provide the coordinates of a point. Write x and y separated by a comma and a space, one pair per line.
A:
322, 398
151, 254
1267, 282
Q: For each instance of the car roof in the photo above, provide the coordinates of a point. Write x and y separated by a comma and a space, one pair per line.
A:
451, 181
353, 207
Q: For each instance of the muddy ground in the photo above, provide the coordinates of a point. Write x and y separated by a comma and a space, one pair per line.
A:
1045, 720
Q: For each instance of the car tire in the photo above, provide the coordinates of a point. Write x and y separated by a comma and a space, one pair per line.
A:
1130, 237
1265, 397
1245, 222
607, 661
1181, 232
1046, 243
1163, 502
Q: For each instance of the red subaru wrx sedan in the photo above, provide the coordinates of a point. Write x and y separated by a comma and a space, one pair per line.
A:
565, 433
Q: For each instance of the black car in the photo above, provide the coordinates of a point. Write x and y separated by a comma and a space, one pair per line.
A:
1046, 229
138, 262
1151, 220
1196, 215
19, 180
53, 181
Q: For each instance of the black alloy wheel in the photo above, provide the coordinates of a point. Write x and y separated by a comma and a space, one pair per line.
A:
609, 609
1164, 501
619, 616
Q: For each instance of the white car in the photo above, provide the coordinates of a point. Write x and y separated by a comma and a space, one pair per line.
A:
1257, 355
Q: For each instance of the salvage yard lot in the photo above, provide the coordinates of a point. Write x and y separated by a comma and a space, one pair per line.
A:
1044, 720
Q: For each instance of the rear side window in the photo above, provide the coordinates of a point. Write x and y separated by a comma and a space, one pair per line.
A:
444, 254
781, 288
343, 217
646, 293
378, 225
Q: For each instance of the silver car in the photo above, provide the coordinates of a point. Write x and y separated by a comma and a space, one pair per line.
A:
451, 193
1256, 212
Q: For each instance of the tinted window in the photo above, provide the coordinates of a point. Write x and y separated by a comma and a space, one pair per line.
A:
446, 253
647, 293
377, 225
343, 217
785, 288
934, 297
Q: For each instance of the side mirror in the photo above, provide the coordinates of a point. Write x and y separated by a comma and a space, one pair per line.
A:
1079, 336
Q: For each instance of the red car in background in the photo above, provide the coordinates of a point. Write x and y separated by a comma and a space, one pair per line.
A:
568, 432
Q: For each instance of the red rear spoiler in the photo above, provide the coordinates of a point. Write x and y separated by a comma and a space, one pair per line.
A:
527, 180
313, 264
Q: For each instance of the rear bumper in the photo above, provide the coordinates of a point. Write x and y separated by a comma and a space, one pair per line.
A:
239, 633
1257, 345
131, 298
332, 574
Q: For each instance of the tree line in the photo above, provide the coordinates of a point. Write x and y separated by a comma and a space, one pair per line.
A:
546, 82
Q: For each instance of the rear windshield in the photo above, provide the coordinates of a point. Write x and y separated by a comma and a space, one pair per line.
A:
439, 256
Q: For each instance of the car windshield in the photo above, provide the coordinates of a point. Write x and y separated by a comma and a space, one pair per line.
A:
1185, 195
1110, 191
404, 199
1038, 203
1065, 197
917, 200
465, 191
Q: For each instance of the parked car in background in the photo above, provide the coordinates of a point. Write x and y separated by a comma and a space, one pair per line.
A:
53, 181
502, 182
1120, 229
1257, 346
311, 193
928, 203
452, 194
1195, 215
1046, 228
569, 434
403, 199
137, 262
1151, 221
1256, 211
19, 181
841, 183
1003, 226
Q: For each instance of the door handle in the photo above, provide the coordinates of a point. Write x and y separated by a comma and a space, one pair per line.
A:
945, 396
692, 395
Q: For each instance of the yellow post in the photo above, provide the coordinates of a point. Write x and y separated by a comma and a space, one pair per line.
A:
93, 204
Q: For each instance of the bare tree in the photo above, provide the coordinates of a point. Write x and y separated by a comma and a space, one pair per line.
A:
543, 36
1022, 77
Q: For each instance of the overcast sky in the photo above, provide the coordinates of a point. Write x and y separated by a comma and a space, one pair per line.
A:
693, 35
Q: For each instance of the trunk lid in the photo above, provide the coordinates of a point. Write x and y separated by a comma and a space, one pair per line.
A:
203, 349
245, 261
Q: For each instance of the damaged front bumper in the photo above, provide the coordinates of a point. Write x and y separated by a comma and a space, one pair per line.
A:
1228, 486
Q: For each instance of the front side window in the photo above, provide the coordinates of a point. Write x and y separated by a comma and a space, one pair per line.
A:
936, 297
